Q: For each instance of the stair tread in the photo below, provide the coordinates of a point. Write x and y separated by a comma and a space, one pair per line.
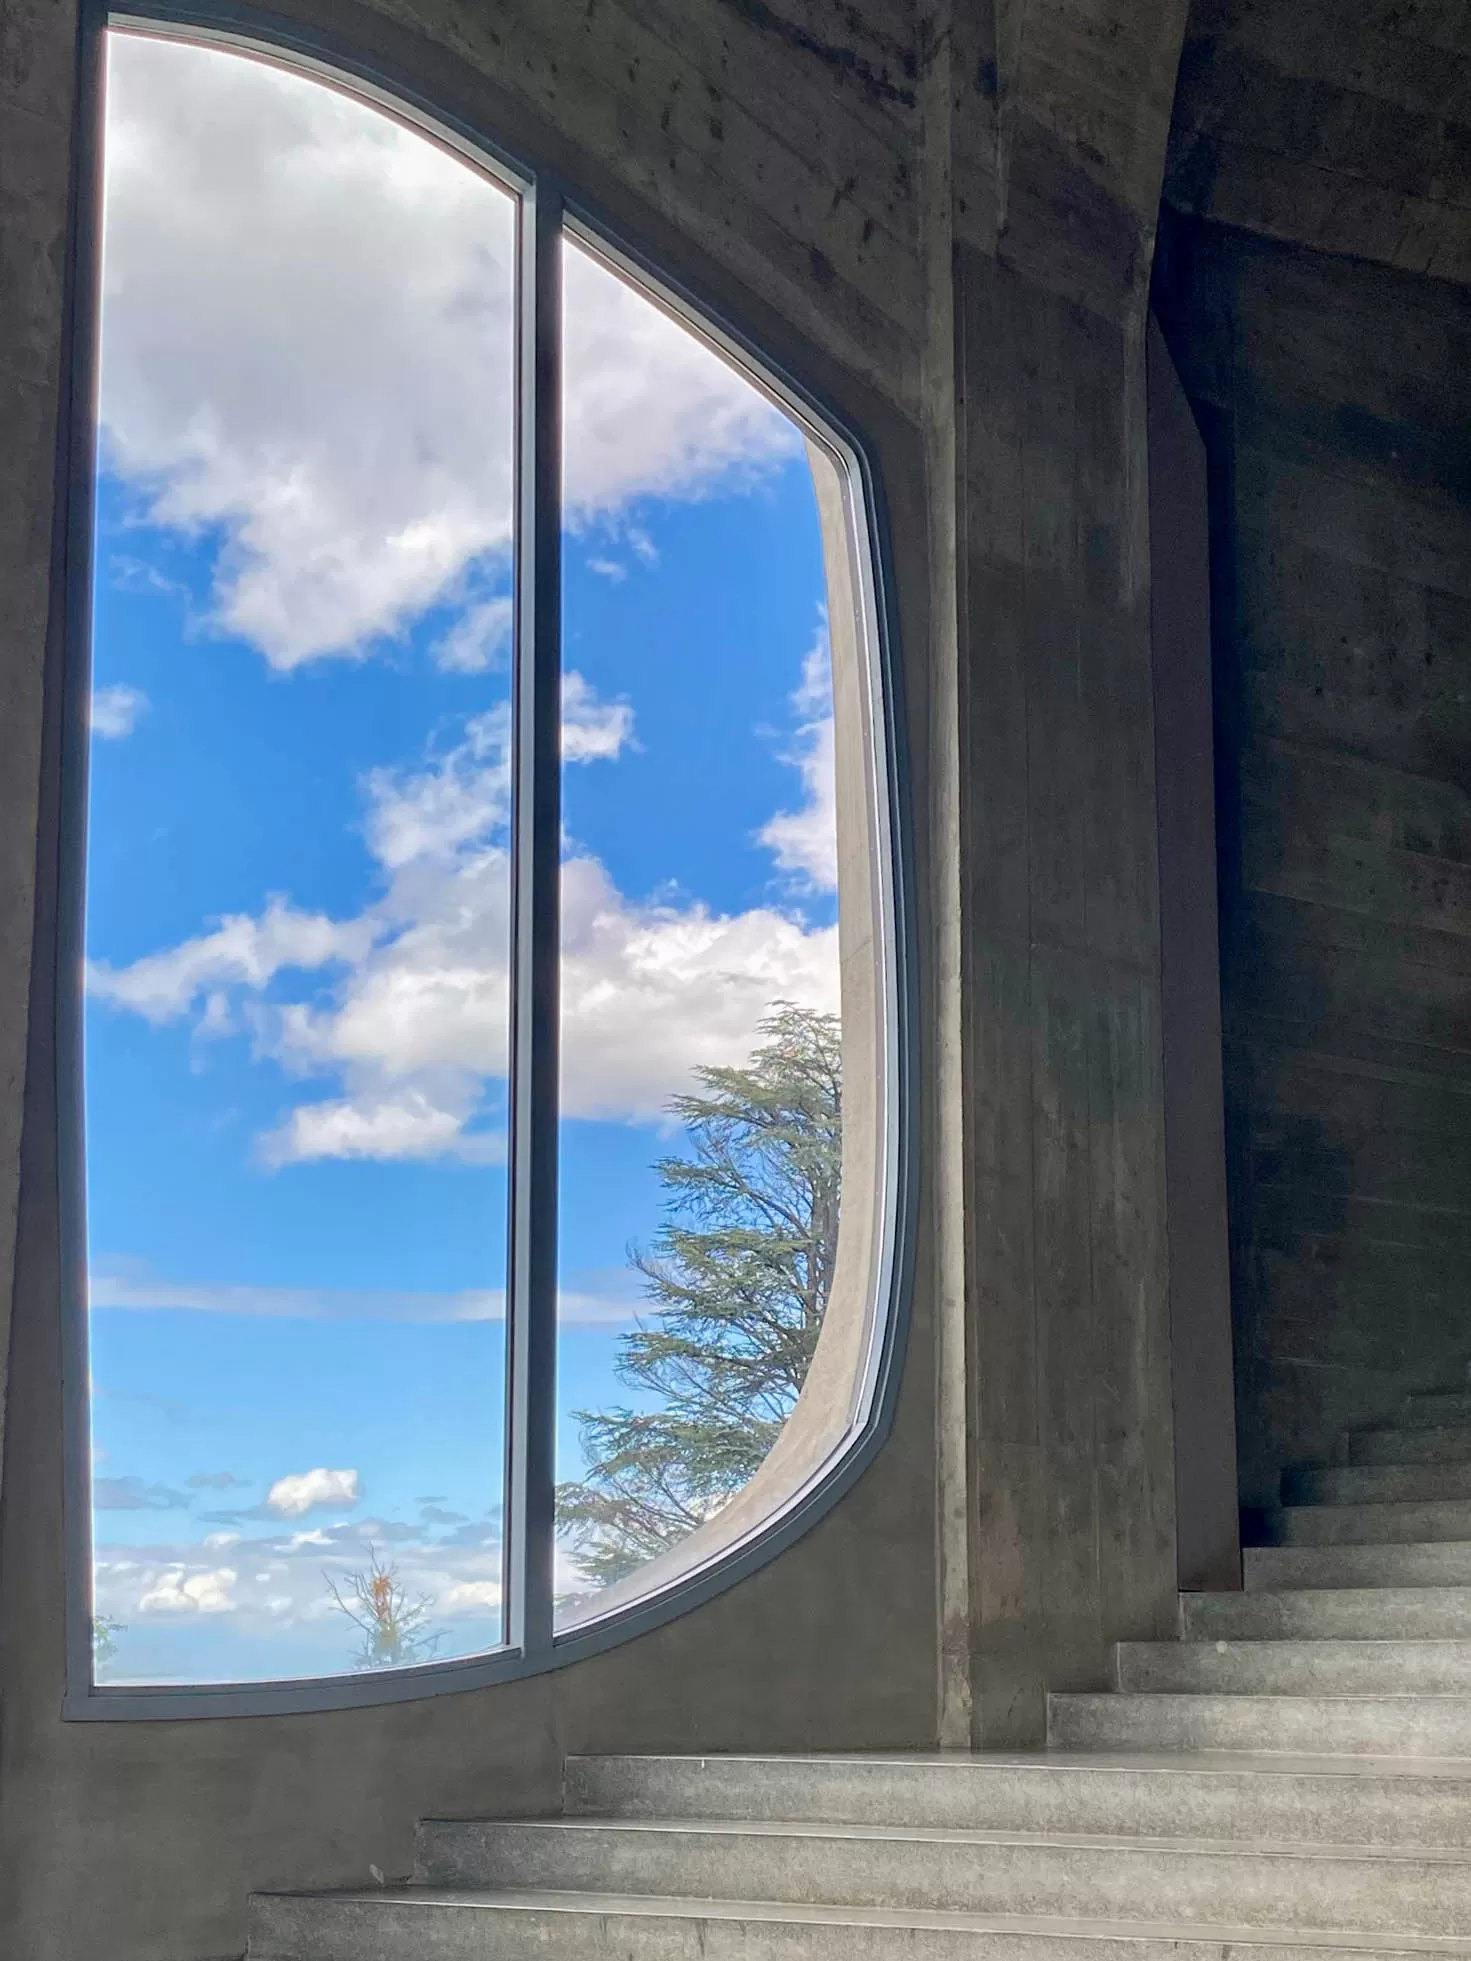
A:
1365, 1645
1116, 1842
1221, 1762
1305, 1695
1398, 1506
1379, 1545
669, 1906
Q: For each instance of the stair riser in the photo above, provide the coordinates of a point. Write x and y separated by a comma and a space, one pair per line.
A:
1057, 1797
316, 1930
1383, 1614
1371, 1525
1390, 1726
1447, 1446
1375, 1484
1366, 1668
1278, 1568
1310, 1890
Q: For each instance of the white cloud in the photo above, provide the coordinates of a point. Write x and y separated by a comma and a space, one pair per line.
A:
220, 1541
464, 794
410, 1124
471, 1596
592, 730
608, 568
414, 1028
278, 1594
651, 993
307, 343
177, 1591
480, 637
115, 710
584, 1307
291, 1497
805, 842
241, 949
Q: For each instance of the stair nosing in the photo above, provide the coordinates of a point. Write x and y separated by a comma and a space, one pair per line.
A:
1101, 1762
818, 1831
811, 1913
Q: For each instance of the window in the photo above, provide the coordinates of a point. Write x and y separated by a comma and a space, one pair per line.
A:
490, 1089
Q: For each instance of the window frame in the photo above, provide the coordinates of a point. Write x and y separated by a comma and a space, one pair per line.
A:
548, 209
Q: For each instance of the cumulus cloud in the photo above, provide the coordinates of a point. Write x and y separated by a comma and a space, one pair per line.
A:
410, 1124
250, 951
471, 1596
804, 842
592, 730
275, 1588
303, 1491
413, 1029
308, 345
114, 711
178, 1591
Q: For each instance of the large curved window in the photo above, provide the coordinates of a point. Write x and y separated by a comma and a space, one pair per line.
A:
490, 1078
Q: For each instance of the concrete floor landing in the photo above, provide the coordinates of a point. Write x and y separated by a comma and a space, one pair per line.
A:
1289, 1779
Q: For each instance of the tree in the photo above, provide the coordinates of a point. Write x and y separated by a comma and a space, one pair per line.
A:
105, 1631
738, 1278
394, 1634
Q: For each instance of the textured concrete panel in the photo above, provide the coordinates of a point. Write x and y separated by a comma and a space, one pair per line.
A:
1337, 401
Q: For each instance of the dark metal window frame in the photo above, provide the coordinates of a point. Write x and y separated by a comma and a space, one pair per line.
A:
547, 210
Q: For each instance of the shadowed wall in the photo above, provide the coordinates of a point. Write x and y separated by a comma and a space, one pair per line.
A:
1336, 395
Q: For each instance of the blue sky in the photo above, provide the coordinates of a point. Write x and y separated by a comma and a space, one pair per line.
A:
295, 1029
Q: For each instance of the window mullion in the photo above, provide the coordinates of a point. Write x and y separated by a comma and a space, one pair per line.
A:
535, 855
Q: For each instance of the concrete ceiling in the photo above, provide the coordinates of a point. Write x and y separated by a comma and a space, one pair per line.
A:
1343, 125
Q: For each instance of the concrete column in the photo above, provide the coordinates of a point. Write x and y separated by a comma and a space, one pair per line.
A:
1056, 1510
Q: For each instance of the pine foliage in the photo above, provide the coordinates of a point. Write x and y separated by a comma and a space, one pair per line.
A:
738, 1279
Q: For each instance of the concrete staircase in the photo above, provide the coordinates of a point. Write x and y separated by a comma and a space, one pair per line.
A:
1289, 1781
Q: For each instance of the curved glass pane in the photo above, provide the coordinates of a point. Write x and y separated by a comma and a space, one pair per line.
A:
704, 1035
295, 1042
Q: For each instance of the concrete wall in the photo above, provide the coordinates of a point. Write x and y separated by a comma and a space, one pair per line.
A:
1338, 405
948, 226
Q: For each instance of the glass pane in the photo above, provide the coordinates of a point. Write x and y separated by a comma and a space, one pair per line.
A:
296, 885
700, 1116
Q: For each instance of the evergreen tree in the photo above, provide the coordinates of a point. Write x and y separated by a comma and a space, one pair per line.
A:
738, 1279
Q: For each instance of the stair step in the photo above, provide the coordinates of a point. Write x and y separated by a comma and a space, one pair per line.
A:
1437, 1409
1373, 1484
1437, 1564
518, 1925
1250, 1882
1321, 1800
1373, 1668
1408, 1446
1420, 1522
1329, 1613
1382, 1725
